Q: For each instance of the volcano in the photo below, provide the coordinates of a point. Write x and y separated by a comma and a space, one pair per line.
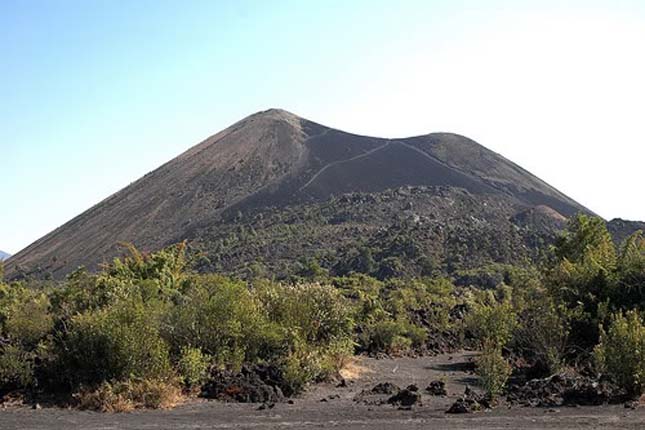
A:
274, 189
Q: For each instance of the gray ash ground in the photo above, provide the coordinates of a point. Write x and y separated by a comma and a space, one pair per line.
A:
352, 405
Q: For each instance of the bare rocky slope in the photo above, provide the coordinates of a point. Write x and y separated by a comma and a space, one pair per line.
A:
275, 187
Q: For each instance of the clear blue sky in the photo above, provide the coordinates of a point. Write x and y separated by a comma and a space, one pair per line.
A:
94, 94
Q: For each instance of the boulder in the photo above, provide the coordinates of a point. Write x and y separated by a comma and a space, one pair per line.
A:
258, 384
437, 388
405, 398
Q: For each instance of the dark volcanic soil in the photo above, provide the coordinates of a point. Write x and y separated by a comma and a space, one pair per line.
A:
340, 409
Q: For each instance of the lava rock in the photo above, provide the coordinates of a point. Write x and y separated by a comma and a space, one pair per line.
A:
566, 390
258, 384
461, 406
469, 402
385, 388
632, 404
412, 387
264, 406
406, 398
437, 388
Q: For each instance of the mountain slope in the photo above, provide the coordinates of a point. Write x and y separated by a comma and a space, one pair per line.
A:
621, 229
274, 162
4, 255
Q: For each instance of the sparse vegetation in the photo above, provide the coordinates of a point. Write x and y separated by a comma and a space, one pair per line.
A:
130, 335
555, 319
492, 368
147, 326
621, 351
124, 396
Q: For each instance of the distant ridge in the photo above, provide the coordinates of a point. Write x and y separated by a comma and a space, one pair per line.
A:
4, 255
276, 164
621, 229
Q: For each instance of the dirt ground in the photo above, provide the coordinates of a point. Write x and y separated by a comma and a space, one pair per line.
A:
329, 406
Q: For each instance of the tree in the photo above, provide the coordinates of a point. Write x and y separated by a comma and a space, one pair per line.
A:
630, 291
584, 277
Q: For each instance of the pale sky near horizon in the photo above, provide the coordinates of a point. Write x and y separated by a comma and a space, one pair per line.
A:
94, 94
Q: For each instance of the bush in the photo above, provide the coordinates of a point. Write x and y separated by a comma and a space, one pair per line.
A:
217, 315
165, 268
317, 313
307, 363
392, 337
631, 274
310, 330
105, 398
122, 332
16, 368
28, 319
621, 352
406, 299
492, 322
493, 370
130, 394
585, 277
397, 315
335, 358
381, 336
541, 333
193, 366
25, 324
24, 315
114, 343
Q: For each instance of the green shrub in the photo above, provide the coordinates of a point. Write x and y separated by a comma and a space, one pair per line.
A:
542, 332
307, 363
363, 293
391, 336
193, 366
417, 335
379, 336
16, 368
399, 344
166, 268
630, 293
584, 278
621, 352
335, 357
308, 331
396, 316
25, 323
24, 315
114, 343
441, 292
492, 322
493, 369
217, 315
432, 298
298, 369
318, 313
